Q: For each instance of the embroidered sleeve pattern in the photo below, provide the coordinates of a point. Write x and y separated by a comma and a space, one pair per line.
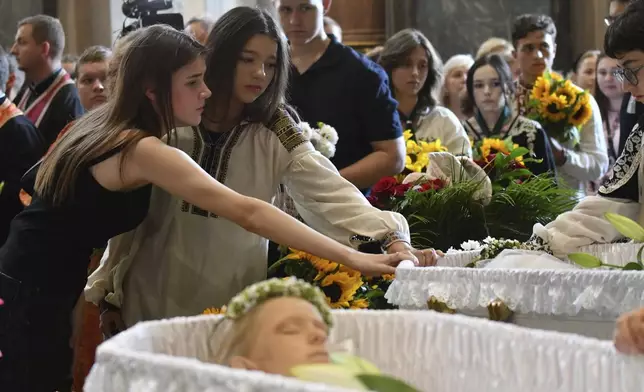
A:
627, 164
529, 129
287, 131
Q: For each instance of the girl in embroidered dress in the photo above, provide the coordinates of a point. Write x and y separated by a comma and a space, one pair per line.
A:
183, 259
489, 90
415, 72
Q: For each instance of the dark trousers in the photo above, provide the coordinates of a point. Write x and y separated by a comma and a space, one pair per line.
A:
35, 331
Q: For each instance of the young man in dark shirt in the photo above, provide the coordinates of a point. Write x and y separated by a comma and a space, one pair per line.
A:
20, 148
333, 84
49, 98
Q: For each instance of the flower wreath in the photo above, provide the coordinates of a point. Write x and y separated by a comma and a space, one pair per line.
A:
259, 293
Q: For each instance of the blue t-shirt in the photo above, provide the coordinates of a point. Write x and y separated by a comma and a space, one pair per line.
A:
349, 92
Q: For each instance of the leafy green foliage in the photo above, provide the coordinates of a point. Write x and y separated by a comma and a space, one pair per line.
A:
447, 217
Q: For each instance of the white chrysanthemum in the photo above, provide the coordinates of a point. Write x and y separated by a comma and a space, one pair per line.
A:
307, 131
489, 240
471, 245
329, 133
325, 148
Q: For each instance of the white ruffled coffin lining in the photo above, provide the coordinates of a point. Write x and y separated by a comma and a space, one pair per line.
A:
434, 352
616, 254
458, 258
551, 292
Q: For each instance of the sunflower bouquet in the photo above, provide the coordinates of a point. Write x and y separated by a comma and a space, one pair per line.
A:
559, 106
343, 287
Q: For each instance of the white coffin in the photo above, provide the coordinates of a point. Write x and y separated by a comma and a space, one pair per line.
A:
434, 352
586, 302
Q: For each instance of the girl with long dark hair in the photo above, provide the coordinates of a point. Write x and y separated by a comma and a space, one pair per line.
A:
489, 91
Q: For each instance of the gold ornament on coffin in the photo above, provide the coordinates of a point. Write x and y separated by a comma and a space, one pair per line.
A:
499, 311
439, 306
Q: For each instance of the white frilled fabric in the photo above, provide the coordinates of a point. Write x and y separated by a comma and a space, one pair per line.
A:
547, 292
616, 254
458, 258
433, 352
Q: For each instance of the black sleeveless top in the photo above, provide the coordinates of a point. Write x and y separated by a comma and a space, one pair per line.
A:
49, 246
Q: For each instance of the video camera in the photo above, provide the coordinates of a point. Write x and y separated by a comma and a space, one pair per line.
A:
146, 13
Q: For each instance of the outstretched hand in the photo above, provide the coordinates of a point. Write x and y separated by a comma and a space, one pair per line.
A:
379, 264
629, 333
425, 257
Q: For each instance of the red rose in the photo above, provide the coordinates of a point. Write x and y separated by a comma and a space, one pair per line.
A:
434, 184
386, 184
401, 189
373, 200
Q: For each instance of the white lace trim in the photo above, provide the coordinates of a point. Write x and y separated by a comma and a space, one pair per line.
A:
433, 352
552, 292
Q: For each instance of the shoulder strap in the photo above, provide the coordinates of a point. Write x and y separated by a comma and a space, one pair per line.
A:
107, 154
286, 129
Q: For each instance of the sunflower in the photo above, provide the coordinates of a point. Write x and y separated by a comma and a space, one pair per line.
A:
553, 106
339, 288
556, 77
408, 134
418, 163
582, 111
434, 146
567, 90
361, 303
351, 272
320, 264
541, 88
221, 310
490, 145
413, 148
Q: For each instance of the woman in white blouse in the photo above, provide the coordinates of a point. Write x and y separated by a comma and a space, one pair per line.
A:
415, 73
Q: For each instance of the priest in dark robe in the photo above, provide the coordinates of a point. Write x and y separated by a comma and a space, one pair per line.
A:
49, 98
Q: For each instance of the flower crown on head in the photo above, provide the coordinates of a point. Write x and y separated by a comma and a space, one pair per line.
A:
258, 293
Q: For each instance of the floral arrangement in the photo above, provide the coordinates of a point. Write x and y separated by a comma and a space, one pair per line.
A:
502, 160
628, 228
390, 191
342, 287
492, 247
324, 138
445, 212
559, 106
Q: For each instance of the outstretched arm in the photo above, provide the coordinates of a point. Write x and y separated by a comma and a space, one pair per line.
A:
154, 162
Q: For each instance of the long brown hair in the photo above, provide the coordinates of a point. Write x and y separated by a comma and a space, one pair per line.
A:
395, 54
225, 44
146, 59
